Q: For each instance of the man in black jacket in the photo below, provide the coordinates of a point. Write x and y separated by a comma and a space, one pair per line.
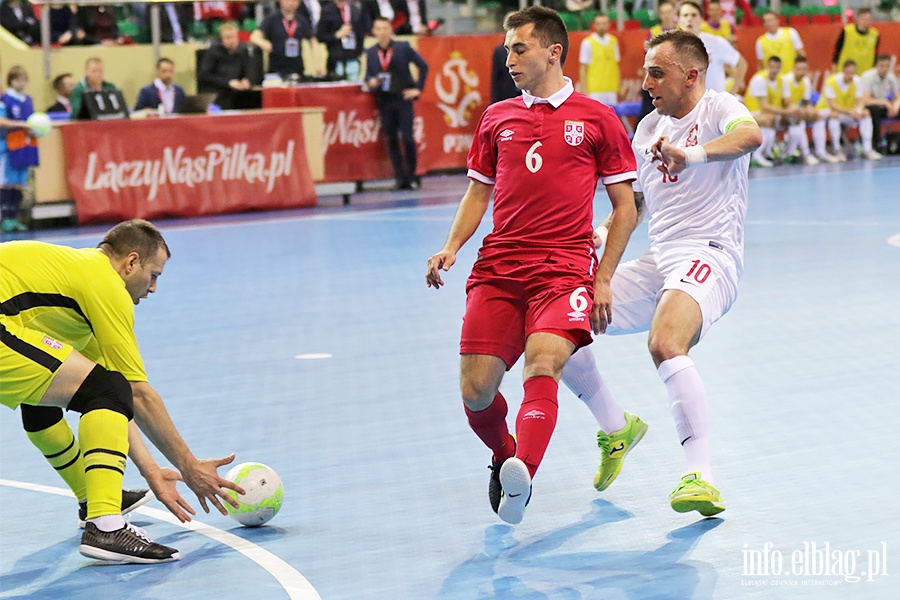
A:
18, 17
388, 76
225, 68
342, 30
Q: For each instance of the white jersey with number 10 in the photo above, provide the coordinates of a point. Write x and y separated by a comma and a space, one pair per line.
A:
705, 203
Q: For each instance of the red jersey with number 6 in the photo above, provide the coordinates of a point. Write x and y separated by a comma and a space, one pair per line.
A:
544, 158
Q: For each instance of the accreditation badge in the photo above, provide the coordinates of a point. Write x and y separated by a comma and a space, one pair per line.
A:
349, 42
292, 48
384, 82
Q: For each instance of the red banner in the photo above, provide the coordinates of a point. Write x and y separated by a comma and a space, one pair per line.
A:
187, 166
354, 146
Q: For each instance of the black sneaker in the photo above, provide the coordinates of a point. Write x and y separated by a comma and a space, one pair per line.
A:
131, 499
127, 545
495, 490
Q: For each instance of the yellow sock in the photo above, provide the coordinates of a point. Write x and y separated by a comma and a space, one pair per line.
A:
104, 438
58, 445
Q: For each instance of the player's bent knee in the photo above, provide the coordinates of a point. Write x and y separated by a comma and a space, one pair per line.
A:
103, 389
39, 418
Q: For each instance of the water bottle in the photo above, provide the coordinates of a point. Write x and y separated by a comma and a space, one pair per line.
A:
353, 70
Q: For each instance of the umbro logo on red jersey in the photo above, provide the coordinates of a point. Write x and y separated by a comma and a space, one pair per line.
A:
506, 135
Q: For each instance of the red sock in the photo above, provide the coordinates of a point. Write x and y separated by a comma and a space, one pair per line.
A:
536, 421
490, 426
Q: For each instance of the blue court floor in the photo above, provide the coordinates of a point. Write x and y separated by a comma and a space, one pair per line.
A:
308, 340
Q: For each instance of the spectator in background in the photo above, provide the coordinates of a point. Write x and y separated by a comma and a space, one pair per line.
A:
163, 91
21, 150
62, 85
92, 82
502, 85
841, 103
797, 97
281, 35
342, 30
721, 53
858, 42
881, 95
64, 29
764, 100
99, 24
668, 19
174, 22
410, 17
314, 10
716, 24
18, 18
598, 59
783, 42
389, 77
225, 68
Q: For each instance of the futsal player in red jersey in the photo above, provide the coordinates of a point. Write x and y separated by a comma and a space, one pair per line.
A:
536, 286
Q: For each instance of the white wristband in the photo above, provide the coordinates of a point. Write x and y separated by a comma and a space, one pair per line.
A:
695, 155
601, 232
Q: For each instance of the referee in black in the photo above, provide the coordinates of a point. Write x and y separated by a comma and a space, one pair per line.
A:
389, 77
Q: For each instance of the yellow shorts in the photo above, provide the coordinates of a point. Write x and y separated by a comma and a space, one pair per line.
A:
29, 360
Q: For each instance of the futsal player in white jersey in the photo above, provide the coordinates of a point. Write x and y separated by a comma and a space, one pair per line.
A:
692, 159
720, 52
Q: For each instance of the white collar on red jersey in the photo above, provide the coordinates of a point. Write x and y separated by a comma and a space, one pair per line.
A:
556, 99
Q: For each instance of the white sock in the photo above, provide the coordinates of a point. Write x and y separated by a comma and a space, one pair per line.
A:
818, 135
768, 140
865, 133
687, 401
582, 377
798, 139
108, 522
834, 129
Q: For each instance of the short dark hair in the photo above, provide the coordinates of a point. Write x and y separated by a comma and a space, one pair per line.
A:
57, 81
549, 28
164, 60
882, 57
380, 18
685, 43
14, 73
774, 59
771, 12
690, 3
849, 61
862, 11
800, 59
136, 235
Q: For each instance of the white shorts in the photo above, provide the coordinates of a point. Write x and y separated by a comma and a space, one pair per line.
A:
707, 274
846, 120
607, 98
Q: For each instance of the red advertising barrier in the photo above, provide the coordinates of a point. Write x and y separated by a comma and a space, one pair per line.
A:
187, 166
354, 147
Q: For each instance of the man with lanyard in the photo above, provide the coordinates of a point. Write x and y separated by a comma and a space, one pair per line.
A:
281, 34
341, 30
388, 76
858, 42
163, 91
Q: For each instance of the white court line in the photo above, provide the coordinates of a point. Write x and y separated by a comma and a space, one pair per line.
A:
295, 584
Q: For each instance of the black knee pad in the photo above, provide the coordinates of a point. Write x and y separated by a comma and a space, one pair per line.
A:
39, 418
104, 389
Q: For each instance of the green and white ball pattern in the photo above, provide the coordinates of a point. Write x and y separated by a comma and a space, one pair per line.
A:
264, 494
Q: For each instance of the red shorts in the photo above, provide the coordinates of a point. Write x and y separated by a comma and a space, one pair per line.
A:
507, 301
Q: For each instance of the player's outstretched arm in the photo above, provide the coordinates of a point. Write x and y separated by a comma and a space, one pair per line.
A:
201, 476
468, 217
160, 479
621, 224
742, 139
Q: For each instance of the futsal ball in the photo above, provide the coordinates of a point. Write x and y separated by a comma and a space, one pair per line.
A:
39, 124
264, 494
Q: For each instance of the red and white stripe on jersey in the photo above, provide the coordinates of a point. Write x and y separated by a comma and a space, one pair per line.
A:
544, 158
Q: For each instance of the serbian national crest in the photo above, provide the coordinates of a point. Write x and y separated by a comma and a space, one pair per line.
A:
574, 132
